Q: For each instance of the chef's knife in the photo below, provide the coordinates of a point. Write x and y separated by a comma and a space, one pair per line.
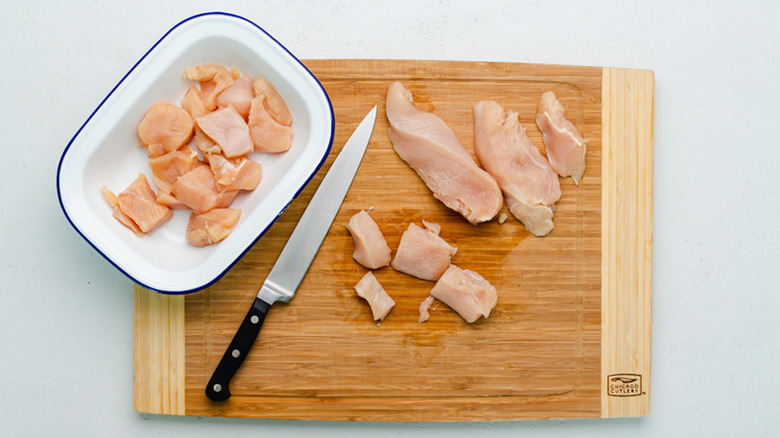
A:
297, 255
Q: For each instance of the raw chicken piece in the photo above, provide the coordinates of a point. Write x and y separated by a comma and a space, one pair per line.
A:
137, 203
197, 189
169, 201
466, 292
117, 213
204, 143
193, 104
235, 173
164, 128
565, 146
211, 227
424, 306
166, 168
227, 128
433, 150
371, 248
239, 96
110, 196
529, 184
213, 79
422, 253
267, 134
273, 101
369, 289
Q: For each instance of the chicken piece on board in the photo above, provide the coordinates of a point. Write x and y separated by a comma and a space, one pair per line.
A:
380, 302
563, 142
422, 253
466, 292
371, 248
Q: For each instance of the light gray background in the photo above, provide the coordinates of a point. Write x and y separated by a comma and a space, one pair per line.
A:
66, 314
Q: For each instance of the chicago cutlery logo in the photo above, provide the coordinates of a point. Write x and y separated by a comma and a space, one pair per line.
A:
624, 385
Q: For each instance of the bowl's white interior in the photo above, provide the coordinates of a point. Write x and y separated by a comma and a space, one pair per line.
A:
106, 152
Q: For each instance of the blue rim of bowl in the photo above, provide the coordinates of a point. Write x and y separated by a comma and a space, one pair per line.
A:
300, 189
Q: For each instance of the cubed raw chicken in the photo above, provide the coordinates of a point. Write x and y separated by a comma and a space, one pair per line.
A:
239, 173
197, 189
422, 253
433, 150
164, 128
380, 302
239, 96
273, 101
371, 248
228, 129
211, 227
563, 142
267, 134
213, 80
135, 207
466, 292
529, 184
166, 168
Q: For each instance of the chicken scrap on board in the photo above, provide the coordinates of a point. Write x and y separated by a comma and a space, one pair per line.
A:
431, 148
371, 248
563, 142
466, 292
424, 306
530, 185
422, 253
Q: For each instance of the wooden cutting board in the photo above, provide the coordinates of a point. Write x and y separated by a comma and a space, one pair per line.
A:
569, 338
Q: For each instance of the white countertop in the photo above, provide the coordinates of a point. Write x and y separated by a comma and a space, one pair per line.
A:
66, 316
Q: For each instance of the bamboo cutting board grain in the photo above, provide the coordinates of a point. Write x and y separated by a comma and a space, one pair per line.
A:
569, 338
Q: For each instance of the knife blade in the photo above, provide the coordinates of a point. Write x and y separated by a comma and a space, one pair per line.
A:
296, 256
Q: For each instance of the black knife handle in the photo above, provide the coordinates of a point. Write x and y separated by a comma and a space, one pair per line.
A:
218, 387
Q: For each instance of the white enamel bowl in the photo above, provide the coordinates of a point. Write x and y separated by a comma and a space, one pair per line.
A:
105, 151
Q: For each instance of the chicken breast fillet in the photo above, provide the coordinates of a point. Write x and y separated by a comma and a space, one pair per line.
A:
433, 150
530, 185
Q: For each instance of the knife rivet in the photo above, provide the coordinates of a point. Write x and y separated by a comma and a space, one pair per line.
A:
236, 353
217, 387
254, 319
